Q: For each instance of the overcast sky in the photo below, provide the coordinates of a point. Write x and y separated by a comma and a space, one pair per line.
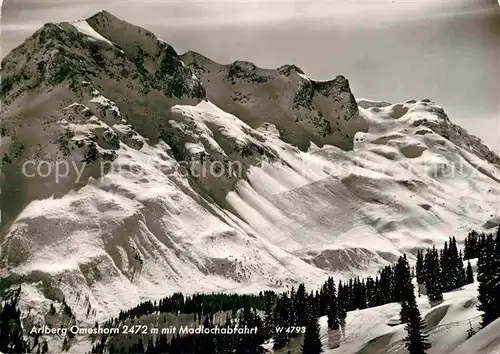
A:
447, 50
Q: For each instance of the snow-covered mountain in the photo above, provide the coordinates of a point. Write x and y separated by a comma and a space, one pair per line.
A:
302, 181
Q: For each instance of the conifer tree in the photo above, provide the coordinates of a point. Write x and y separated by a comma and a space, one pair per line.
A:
446, 279
332, 313
471, 249
416, 341
282, 320
341, 302
484, 277
470, 274
208, 340
175, 345
323, 299
466, 247
249, 343
420, 270
496, 274
371, 292
350, 295
140, 346
293, 320
362, 303
386, 285
402, 272
149, 350
312, 342
407, 295
301, 305
456, 266
45, 347
257, 338
488, 276
11, 331
315, 303
461, 271
432, 275
481, 243
376, 296
333, 320
268, 325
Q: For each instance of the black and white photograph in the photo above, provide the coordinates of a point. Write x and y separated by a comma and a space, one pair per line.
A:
250, 177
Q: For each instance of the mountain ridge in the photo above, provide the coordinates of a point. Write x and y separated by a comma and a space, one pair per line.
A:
310, 103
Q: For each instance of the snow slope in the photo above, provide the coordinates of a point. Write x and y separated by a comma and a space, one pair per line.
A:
292, 220
84, 27
486, 341
447, 324
377, 330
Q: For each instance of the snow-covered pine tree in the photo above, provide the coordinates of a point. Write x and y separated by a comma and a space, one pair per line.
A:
402, 271
332, 313
301, 305
282, 320
207, 341
359, 293
407, 295
315, 302
469, 278
446, 264
250, 343
416, 340
496, 275
471, 245
433, 274
386, 284
461, 271
351, 305
457, 271
342, 301
371, 292
486, 278
268, 325
420, 270
293, 311
312, 342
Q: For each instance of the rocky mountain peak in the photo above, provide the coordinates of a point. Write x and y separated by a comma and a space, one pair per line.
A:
303, 110
289, 69
104, 16
192, 56
338, 84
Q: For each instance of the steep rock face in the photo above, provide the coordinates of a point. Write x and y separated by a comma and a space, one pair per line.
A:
157, 61
303, 110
